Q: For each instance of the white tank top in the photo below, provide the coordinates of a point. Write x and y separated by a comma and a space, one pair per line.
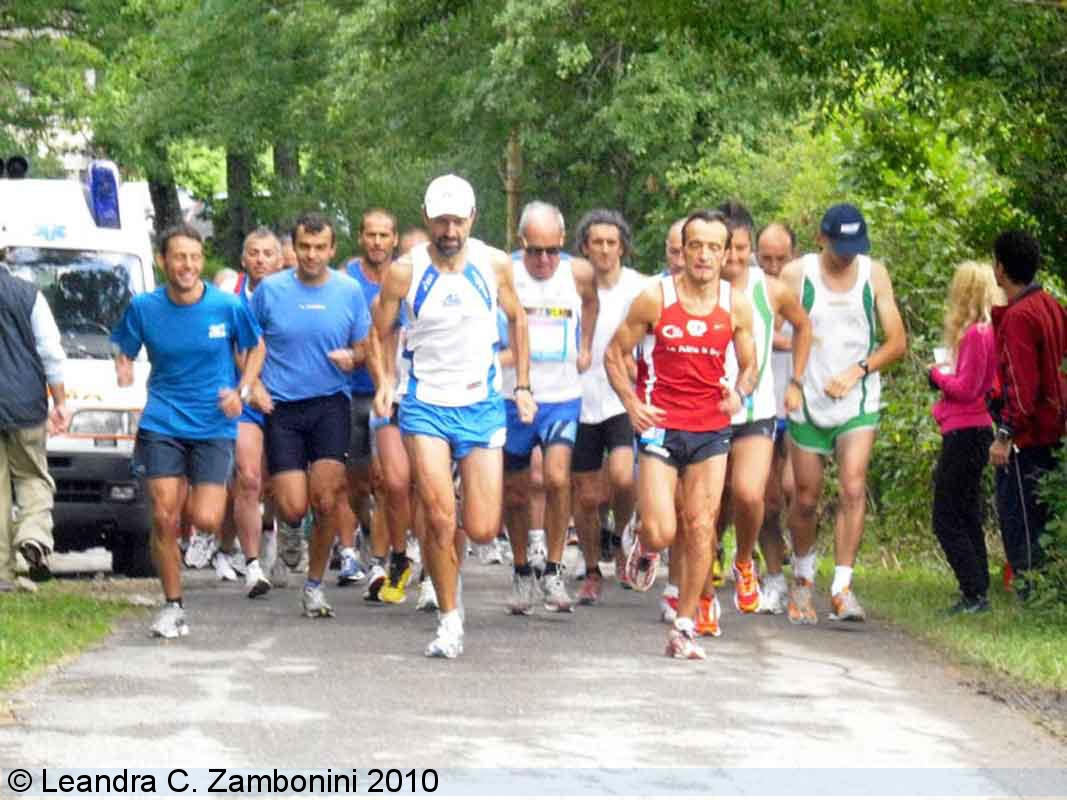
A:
599, 401
553, 317
763, 400
843, 334
782, 367
452, 330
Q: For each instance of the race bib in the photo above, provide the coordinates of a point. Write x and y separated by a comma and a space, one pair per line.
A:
550, 331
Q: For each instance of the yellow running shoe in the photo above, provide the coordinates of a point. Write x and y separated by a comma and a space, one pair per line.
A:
718, 578
399, 576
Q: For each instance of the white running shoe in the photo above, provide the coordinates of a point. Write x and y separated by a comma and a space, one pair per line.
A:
774, 595
315, 604
255, 581
668, 608
268, 549
427, 597
556, 597
537, 555
224, 570
292, 548
523, 592
449, 640
201, 548
170, 622
375, 582
279, 574
489, 553
412, 548
238, 560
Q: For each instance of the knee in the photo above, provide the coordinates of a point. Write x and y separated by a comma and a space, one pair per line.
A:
166, 521
748, 498
516, 494
556, 480
249, 481
587, 496
805, 505
853, 494
325, 502
657, 534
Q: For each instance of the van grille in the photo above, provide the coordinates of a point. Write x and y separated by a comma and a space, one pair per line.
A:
72, 491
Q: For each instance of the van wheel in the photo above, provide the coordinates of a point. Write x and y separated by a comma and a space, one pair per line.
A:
131, 555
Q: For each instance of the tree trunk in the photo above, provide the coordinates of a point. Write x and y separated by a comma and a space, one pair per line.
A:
162, 189
239, 220
287, 183
513, 187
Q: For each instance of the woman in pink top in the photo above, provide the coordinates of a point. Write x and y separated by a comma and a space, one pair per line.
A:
964, 379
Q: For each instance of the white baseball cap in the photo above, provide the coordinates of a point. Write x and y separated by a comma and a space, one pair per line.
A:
449, 195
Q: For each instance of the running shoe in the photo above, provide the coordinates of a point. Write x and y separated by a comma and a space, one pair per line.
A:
523, 591
427, 597
279, 574
641, 567
291, 544
412, 548
36, 556
170, 622
255, 581
591, 590
449, 640
268, 548
668, 608
746, 587
537, 553
682, 645
351, 570
846, 608
201, 548
238, 560
375, 582
555, 594
718, 576
774, 595
802, 603
707, 619
397, 581
968, 605
489, 553
315, 604
224, 570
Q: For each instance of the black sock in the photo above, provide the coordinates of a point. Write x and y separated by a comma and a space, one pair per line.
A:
616, 540
551, 568
399, 560
523, 570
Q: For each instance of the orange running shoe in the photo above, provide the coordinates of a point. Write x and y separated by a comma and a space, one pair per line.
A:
846, 608
707, 619
802, 603
746, 587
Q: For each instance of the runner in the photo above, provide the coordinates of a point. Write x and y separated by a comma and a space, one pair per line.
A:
185, 439
453, 409
559, 296
604, 238
754, 426
775, 247
315, 324
682, 408
843, 290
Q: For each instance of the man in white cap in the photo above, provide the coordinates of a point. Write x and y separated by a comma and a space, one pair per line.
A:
847, 295
451, 288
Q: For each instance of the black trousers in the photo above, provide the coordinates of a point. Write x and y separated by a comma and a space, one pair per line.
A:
1022, 517
959, 506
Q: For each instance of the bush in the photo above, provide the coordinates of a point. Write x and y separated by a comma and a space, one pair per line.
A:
1050, 590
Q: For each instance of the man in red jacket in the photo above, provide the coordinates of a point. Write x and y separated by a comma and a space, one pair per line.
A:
1031, 340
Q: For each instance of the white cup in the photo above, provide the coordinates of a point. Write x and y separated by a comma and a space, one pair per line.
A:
941, 355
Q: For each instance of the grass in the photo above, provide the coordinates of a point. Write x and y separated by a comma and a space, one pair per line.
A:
1012, 641
39, 629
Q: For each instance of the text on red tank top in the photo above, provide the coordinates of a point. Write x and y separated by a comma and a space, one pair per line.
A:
683, 375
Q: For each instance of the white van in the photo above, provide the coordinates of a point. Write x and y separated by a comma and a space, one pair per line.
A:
87, 247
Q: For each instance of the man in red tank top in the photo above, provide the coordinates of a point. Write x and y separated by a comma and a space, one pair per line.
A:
681, 409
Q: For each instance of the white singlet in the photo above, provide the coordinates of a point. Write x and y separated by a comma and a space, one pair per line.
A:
763, 398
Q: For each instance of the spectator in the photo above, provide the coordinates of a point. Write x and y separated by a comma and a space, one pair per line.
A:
1031, 339
31, 358
964, 374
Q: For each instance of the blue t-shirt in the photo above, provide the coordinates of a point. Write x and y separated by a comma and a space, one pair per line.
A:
191, 350
360, 379
301, 325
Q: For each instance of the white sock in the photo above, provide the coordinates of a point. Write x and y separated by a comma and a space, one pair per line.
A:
842, 579
684, 624
777, 581
348, 551
804, 566
670, 590
537, 537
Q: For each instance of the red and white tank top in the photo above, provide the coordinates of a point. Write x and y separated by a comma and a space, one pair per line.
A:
683, 371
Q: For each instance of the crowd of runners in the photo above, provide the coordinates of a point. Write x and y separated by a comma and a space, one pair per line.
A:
437, 393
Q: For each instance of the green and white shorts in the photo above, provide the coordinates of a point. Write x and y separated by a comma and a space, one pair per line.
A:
808, 436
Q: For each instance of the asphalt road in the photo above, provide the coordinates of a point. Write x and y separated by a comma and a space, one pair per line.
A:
257, 685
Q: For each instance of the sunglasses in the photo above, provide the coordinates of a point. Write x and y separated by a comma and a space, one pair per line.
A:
542, 251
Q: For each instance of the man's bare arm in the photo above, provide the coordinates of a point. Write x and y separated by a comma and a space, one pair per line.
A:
585, 283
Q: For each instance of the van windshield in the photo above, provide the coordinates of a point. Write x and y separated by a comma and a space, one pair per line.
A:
87, 291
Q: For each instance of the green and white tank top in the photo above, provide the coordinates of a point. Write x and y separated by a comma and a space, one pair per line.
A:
843, 334
763, 404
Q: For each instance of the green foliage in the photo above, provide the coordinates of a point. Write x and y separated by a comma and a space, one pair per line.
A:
1050, 592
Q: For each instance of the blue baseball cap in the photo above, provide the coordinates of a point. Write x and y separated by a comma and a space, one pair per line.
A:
843, 225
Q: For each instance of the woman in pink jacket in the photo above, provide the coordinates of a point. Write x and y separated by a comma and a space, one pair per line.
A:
964, 375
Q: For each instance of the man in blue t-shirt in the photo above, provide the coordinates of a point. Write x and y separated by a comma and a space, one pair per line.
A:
377, 241
196, 336
315, 323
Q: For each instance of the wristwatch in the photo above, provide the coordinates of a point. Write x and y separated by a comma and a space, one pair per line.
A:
865, 367
1003, 434
245, 393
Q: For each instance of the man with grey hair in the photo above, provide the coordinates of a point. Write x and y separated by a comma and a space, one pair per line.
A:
559, 295
673, 248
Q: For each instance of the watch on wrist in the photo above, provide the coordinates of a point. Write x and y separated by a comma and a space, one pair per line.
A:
245, 393
865, 367
1003, 435
526, 389
797, 383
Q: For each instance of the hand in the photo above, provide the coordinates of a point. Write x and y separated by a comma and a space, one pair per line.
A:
526, 406
1000, 452
644, 416
794, 398
731, 403
585, 360
261, 398
59, 418
230, 403
383, 401
342, 358
840, 385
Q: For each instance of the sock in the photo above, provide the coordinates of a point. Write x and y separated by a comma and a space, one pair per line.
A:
523, 570
685, 625
778, 581
804, 566
616, 540
452, 617
400, 559
348, 551
377, 561
670, 590
842, 579
311, 583
537, 537
551, 568
175, 601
